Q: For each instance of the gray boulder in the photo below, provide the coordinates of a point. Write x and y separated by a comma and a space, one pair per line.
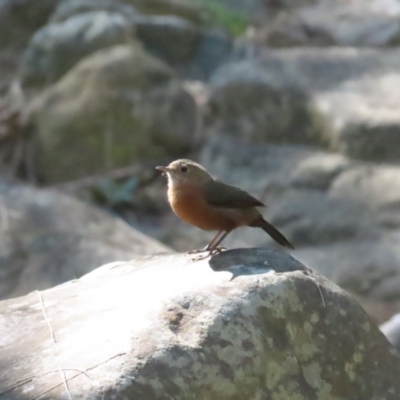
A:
375, 186
342, 216
48, 238
245, 324
170, 38
55, 48
255, 103
193, 51
340, 97
215, 48
335, 23
189, 10
70, 8
19, 19
391, 329
117, 106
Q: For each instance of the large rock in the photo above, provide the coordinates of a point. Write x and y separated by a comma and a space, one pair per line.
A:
48, 238
19, 19
391, 329
70, 8
245, 324
338, 23
342, 97
249, 102
196, 53
342, 216
189, 10
195, 50
376, 186
55, 48
168, 37
117, 106
215, 48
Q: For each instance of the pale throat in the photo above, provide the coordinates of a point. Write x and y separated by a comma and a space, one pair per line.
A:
179, 190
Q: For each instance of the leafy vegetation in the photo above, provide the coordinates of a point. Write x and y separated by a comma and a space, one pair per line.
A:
216, 14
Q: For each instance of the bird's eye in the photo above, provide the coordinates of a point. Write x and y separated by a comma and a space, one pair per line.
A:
184, 169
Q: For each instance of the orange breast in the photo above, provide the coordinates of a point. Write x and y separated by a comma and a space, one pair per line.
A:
189, 205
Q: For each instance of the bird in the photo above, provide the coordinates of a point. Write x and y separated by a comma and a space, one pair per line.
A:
201, 200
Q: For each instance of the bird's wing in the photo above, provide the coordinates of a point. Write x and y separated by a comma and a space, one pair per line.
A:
220, 194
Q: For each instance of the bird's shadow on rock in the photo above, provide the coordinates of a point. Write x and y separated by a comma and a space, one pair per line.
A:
255, 261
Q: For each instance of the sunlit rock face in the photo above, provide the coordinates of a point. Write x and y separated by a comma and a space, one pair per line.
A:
391, 329
244, 324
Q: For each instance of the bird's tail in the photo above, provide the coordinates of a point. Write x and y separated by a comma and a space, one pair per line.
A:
273, 232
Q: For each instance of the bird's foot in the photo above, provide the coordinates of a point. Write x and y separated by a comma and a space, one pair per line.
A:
217, 250
209, 253
195, 251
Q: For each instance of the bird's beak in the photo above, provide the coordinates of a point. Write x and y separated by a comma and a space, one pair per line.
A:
164, 169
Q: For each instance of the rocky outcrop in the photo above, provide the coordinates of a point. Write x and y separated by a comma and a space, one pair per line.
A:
117, 106
172, 39
339, 97
70, 8
244, 324
274, 109
334, 23
391, 329
48, 238
189, 10
77, 28
19, 19
57, 47
341, 215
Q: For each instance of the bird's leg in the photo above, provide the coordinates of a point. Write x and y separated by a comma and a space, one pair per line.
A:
208, 247
215, 239
212, 248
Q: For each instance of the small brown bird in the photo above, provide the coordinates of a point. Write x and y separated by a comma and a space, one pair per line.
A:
203, 201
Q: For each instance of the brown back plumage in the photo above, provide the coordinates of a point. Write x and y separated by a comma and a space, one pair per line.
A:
220, 194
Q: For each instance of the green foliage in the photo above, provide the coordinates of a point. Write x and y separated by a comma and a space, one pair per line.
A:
216, 14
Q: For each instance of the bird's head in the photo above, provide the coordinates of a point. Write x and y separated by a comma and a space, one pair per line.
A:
181, 171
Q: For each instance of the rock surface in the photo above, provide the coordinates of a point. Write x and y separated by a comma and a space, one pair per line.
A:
195, 51
245, 324
57, 47
19, 19
170, 38
48, 238
338, 23
391, 329
70, 8
189, 10
117, 106
341, 215
255, 104
340, 97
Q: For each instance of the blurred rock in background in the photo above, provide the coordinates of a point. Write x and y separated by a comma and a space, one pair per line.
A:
132, 108
295, 101
48, 238
356, 23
